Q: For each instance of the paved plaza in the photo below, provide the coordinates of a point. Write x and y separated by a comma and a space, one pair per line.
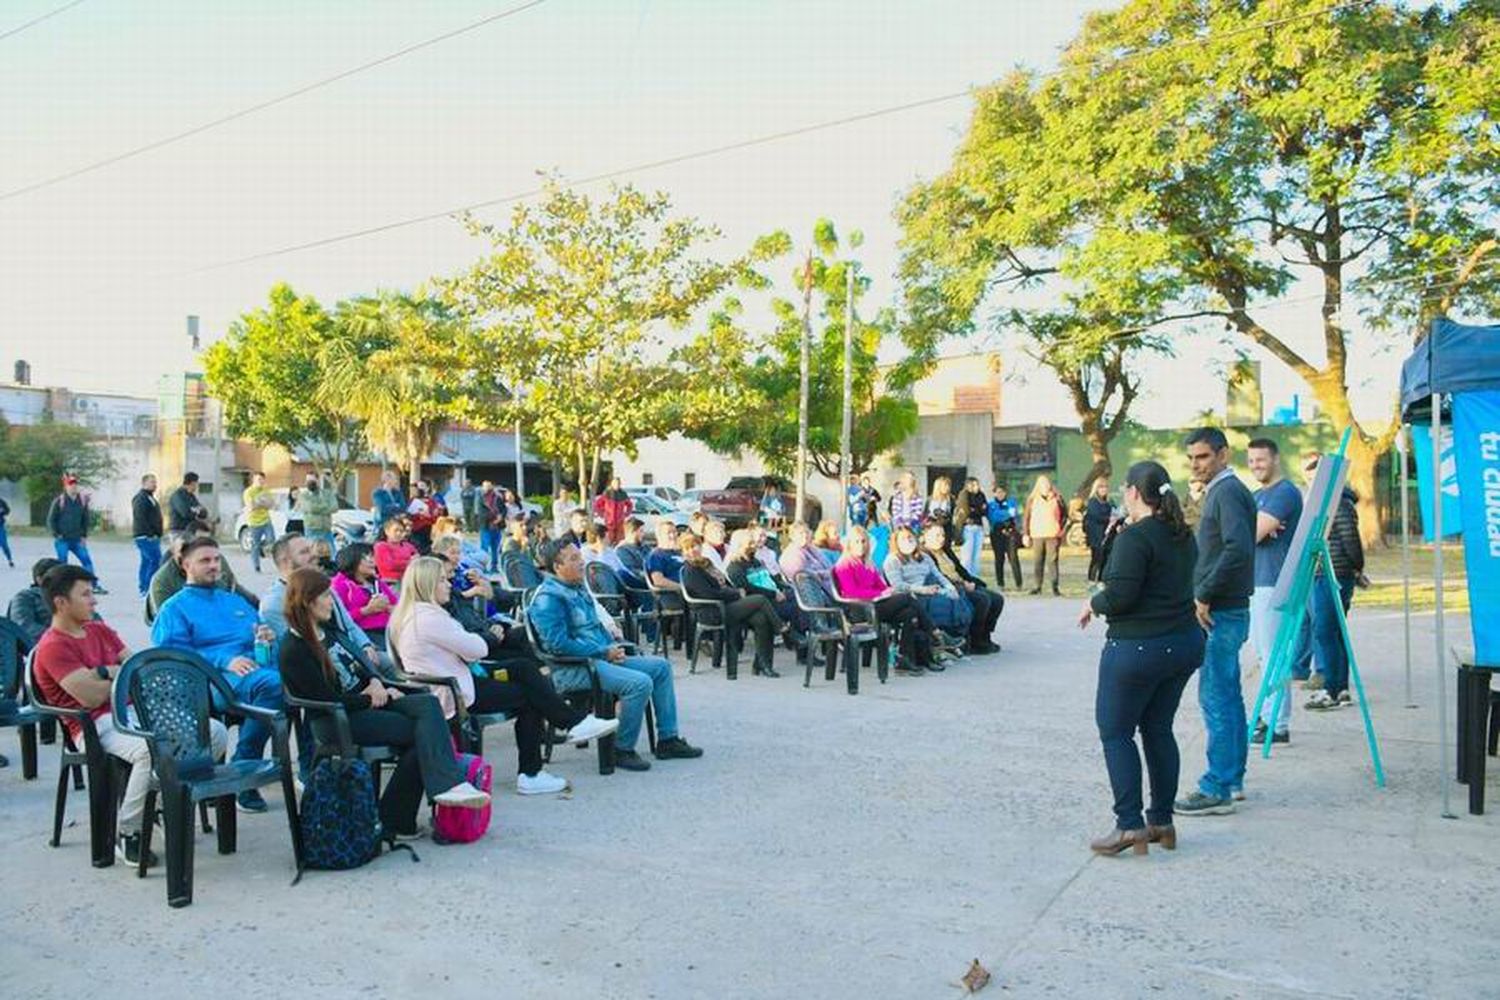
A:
824, 847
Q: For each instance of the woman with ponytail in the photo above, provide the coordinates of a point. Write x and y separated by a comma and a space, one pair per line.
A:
1153, 645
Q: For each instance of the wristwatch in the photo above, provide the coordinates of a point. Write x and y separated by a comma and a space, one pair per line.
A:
103, 673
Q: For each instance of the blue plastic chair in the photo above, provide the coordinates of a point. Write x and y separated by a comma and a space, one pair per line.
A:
14, 711
171, 691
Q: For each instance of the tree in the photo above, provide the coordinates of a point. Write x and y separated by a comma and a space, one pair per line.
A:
38, 455
263, 372
1188, 159
761, 375
570, 307
397, 367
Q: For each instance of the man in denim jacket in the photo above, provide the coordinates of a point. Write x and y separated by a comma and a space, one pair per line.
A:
568, 621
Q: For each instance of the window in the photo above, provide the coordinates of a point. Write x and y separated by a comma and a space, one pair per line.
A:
689, 480
647, 479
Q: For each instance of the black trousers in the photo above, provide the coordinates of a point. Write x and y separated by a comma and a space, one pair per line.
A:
758, 614
1044, 550
1096, 562
906, 613
413, 725
1006, 547
529, 694
987, 605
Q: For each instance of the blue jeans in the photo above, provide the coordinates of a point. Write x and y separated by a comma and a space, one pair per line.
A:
326, 536
77, 546
973, 544
5, 544
1222, 703
150, 550
1327, 639
1265, 622
1140, 685
262, 535
261, 688
638, 679
489, 540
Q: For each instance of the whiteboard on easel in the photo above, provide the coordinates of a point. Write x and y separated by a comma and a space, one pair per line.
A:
1322, 499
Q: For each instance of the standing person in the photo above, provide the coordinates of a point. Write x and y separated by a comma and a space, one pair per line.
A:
1043, 523
422, 513
4, 537
490, 510
971, 515
469, 498
872, 500
387, 500
185, 512
562, 507
1097, 515
258, 504
613, 507
1005, 534
940, 510
146, 529
908, 508
1222, 585
856, 503
1152, 647
68, 520
1278, 506
772, 510
316, 504
1347, 553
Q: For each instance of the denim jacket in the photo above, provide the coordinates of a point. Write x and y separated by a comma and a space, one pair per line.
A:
567, 620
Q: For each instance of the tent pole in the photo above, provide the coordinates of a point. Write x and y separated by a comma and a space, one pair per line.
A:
1437, 579
1403, 447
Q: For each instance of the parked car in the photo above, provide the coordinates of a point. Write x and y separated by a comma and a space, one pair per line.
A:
738, 504
688, 500
350, 524
667, 494
653, 510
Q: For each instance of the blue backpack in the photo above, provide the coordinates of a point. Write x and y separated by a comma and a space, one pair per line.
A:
340, 823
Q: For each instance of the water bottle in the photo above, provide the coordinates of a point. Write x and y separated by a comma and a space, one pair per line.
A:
262, 647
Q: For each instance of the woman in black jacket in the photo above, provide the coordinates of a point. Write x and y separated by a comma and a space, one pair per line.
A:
378, 715
752, 611
986, 603
743, 570
1153, 646
1097, 515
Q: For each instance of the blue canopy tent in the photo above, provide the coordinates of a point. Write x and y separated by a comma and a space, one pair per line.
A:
1453, 358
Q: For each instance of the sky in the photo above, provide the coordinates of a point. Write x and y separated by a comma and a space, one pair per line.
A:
98, 273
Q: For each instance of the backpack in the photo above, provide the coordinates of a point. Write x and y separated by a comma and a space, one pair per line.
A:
341, 825
455, 825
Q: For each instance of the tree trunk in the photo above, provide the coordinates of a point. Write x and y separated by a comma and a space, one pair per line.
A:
1362, 457
584, 493
1098, 439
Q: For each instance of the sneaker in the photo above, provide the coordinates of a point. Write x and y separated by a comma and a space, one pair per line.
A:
1321, 701
251, 801
676, 748
1198, 804
1237, 793
936, 666
1345, 698
909, 668
1313, 683
591, 727
540, 783
629, 760
401, 836
128, 850
464, 796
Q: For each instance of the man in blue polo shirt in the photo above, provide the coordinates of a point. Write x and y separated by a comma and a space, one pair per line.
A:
1278, 506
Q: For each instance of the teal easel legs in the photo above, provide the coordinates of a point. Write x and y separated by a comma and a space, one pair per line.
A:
1354, 678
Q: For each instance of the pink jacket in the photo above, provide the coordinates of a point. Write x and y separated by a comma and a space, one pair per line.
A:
858, 579
433, 642
355, 597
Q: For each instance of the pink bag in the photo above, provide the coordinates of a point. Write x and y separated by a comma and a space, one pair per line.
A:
454, 825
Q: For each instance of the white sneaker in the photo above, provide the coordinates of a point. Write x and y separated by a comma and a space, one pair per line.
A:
540, 783
464, 796
592, 728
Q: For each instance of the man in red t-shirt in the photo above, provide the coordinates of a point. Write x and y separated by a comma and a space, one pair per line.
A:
74, 666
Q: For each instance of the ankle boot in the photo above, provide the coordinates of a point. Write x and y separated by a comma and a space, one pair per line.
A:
1166, 836
1118, 841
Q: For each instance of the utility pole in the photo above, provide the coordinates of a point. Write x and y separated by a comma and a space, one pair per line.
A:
802, 390
846, 451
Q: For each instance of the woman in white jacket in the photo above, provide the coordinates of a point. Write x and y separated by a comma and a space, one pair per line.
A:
425, 639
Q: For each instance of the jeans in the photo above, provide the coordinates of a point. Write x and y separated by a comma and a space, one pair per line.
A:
1265, 621
262, 688
261, 535
1140, 685
1044, 550
634, 681
326, 536
5, 544
78, 546
1222, 703
1327, 638
489, 540
973, 544
414, 727
150, 550
134, 751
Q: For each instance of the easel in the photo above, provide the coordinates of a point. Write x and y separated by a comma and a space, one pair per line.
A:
1309, 552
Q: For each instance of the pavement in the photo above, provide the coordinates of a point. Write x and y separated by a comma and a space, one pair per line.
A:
825, 846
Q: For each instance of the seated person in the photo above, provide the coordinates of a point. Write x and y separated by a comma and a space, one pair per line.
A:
697, 524
29, 607
568, 623
744, 571
765, 547
801, 556
714, 543
170, 576
74, 666
987, 604
394, 551
314, 666
753, 611
856, 578
631, 553
291, 553
366, 597
664, 571
579, 523
221, 627
827, 538
503, 638
425, 639
909, 571
323, 556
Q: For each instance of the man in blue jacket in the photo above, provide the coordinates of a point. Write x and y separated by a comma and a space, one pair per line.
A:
568, 622
222, 627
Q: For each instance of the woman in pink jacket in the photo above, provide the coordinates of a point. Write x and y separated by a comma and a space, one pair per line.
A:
368, 599
856, 577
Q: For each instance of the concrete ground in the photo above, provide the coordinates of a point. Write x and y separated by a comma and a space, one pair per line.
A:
825, 846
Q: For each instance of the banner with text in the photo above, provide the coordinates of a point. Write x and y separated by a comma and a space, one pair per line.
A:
1421, 443
1476, 437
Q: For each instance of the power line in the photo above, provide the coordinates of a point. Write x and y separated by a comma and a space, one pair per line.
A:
261, 106
38, 20
735, 146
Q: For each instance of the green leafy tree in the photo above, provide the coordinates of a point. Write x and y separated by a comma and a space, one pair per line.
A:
571, 306
38, 455
761, 376
263, 374
1189, 160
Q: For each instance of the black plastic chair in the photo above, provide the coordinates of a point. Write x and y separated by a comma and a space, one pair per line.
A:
171, 691
468, 727
830, 628
606, 587
590, 699
711, 617
521, 578
861, 619
657, 607
14, 711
